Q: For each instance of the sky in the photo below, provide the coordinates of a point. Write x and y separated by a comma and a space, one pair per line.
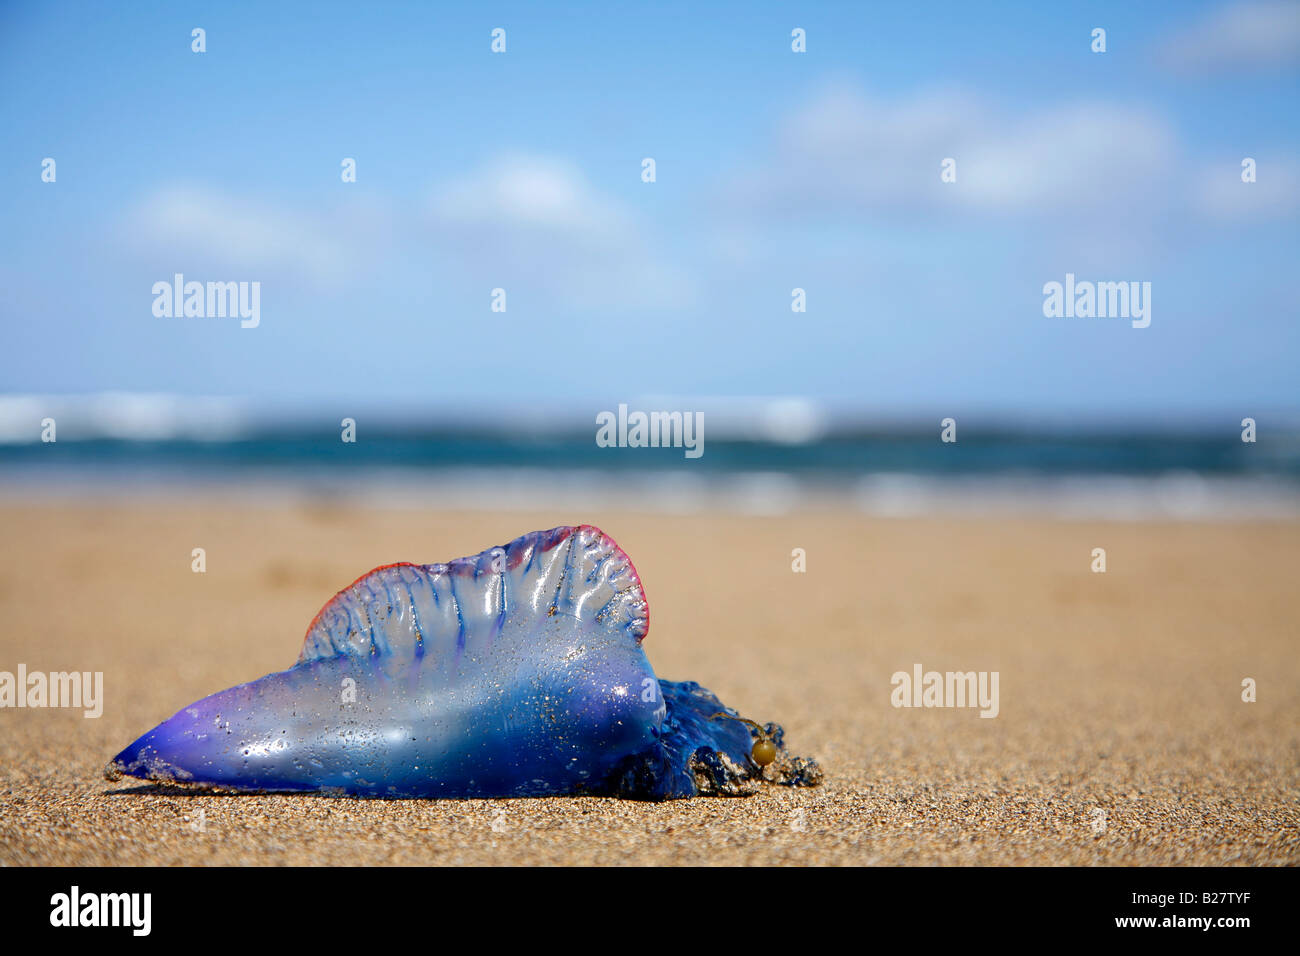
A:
774, 170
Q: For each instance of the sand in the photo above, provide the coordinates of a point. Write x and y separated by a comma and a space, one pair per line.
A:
1121, 739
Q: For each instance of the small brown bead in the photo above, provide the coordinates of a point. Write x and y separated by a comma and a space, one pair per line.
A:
764, 752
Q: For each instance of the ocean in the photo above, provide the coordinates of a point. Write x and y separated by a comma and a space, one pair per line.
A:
904, 471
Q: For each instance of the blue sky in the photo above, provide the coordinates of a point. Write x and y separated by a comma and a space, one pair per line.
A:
775, 170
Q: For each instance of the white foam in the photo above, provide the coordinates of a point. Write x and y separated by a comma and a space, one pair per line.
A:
132, 416
581, 493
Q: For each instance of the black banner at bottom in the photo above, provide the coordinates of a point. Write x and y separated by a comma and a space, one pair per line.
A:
367, 906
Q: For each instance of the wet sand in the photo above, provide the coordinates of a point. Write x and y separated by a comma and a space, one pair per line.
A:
1121, 736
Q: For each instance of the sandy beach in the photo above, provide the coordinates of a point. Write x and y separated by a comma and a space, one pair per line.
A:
1121, 737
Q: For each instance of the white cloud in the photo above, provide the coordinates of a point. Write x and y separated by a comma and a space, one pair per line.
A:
1220, 193
851, 152
848, 154
527, 191
1251, 35
538, 219
1079, 157
215, 230
528, 223
847, 149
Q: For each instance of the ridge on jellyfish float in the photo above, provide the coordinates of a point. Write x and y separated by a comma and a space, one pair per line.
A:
519, 671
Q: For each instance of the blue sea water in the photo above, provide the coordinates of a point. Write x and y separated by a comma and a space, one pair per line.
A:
1100, 474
